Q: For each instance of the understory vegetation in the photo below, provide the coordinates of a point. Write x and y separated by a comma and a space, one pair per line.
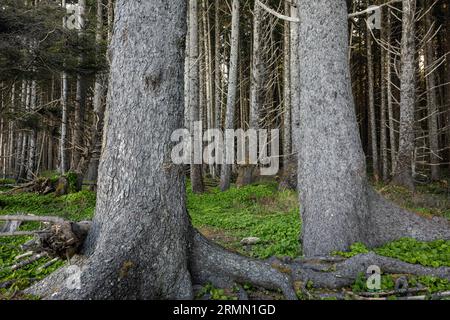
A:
258, 211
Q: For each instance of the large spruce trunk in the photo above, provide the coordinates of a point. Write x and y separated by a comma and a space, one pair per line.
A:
338, 207
137, 247
332, 171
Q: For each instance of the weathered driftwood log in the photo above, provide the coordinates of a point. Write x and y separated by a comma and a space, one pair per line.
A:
9, 226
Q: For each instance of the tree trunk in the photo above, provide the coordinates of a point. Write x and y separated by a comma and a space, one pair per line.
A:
138, 245
80, 101
225, 177
371, 102
64, 114
383, 136
432, 100
12, 137
247, 172
64, 122
294, 73
92, 157
217, 74
339, 207
194, 94
287, 120
22, 172
403, 175
141, 244
32, 153
392, 131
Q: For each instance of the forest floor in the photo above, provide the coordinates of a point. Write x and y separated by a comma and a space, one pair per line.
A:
259, 211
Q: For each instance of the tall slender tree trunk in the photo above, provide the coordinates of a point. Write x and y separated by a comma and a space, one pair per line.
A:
247, 172
80, 100
217, 73
11, 152
64, 114
404, 175
389, 93
287, 119
225, 178
22, 172
32, 153
95, 146
371, 103
383, 135
194, 94
294, 73
432, 101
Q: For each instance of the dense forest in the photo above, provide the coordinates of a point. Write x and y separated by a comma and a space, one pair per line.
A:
207, 149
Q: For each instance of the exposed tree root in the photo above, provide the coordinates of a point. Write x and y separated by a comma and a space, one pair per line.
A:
343, 274
209, 262
389, 222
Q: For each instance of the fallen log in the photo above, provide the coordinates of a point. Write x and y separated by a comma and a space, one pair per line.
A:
48, 264
28, 218
27, 262
393, 292
436, 296
24, 255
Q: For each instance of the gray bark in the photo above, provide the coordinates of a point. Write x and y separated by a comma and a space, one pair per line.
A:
338, 206
371, 102
94, 148
23, 141
11, 139
383, 127
247, 173
392, 131
32, 154
64, 114
217, 74
432, 101
137, 247
403, 175
294, 73
80, 101
225, 177
287, 120
194, 92
141, 244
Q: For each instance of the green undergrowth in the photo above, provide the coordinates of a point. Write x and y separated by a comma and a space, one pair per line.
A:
258, 210
75, 206
432, 284
252, 211
431, 254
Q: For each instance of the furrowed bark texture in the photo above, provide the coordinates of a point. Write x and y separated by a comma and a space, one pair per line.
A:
137, 246
194, 92
403, 175
371, 102
338, 206
141, 241
225, 177
331, 169
432, 100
